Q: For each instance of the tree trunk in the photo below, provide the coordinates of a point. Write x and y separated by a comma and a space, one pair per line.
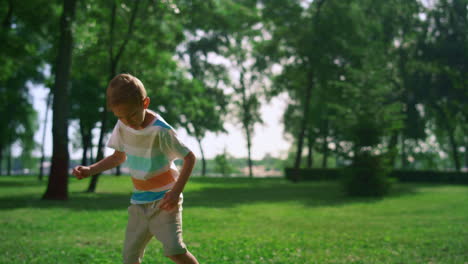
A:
454, 145
337, 154
41, 169
100, 151
310, 157
6, 23
308, 94
9, 160
392, 146
404, 160
203, 156
249, 154
113, 71
85, 144
246, 120
304, 122
325, 149
466, 157
57, 188
91, 156
451, 132
84, 157
1, 160
89, 144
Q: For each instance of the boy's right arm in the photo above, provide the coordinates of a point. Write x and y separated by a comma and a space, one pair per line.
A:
109, 162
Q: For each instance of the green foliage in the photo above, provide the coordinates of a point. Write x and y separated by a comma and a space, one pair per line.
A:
443, 73
22, 55
222, 164
367, 176
271, 163
339, 49
316, 156
239, 31
20, 118
205, 102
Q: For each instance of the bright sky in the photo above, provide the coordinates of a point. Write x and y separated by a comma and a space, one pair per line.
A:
268, 137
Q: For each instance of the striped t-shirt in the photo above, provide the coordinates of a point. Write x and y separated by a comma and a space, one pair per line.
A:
150, 152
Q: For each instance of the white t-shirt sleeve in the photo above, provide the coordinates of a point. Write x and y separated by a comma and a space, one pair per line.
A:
115, 140
172, 146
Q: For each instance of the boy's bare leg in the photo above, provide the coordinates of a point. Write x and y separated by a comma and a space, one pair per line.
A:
186, 258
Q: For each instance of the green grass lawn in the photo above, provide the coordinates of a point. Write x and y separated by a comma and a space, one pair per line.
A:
241, 221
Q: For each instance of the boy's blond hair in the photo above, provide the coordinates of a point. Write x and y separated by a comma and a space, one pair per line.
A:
125, 89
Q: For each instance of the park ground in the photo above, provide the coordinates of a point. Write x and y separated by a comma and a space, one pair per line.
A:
240, 220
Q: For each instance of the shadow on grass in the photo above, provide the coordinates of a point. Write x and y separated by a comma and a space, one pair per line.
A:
76, 201
314, 194
28, 183
216, 193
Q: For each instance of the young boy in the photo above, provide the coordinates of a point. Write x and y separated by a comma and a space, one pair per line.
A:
150, 146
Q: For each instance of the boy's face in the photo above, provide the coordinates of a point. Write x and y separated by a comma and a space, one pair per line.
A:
132, 115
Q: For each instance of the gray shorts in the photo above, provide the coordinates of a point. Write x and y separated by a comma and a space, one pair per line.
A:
146, 221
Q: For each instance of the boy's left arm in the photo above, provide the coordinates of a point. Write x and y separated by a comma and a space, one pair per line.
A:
171, 198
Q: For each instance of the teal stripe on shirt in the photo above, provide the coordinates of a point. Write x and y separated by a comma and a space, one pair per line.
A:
148, 196
162, 124
147, 164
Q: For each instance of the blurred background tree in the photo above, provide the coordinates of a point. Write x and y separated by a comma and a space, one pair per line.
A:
223, 164
25, 44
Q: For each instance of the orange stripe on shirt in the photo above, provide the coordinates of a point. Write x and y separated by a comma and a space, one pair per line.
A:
157, 181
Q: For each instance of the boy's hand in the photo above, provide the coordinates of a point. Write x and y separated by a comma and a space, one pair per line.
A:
170, 201
81, 172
